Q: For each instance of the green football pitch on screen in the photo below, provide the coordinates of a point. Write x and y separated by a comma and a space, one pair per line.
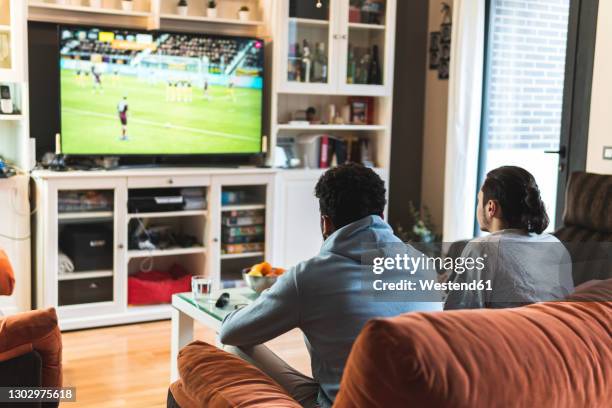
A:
160, 120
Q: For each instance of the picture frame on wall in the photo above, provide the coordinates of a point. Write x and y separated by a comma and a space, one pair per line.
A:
446, 30
434, 50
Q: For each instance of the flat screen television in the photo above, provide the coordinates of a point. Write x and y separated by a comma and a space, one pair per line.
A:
153, 93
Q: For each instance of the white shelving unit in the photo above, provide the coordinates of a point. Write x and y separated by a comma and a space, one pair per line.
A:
342, 29
15, 148
15, 128
108, 287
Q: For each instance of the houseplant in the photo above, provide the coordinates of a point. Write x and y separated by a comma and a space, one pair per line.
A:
211, 11
421, 228
182, 7
243, 13
127, 5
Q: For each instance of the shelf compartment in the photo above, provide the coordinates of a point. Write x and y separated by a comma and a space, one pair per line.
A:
243, 255
145, 253
168, 214
84, 275
215, 20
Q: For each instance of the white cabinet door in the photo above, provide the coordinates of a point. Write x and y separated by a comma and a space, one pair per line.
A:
366, 49
308, 46
54, 218
298, 231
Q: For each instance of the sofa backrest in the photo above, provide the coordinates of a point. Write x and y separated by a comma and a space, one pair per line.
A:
588, 202
542, 355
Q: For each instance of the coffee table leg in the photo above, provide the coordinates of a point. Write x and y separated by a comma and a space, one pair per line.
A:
182, 334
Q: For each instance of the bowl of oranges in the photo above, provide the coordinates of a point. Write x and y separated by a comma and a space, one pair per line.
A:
261, 276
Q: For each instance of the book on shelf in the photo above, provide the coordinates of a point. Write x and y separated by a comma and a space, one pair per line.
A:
240, 218
244, 231
242, 248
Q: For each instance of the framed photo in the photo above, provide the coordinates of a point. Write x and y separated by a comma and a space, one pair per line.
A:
362, 110
446, 32
434, 50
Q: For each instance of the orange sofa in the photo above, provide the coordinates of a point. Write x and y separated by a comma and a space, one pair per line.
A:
30, 343
542, 355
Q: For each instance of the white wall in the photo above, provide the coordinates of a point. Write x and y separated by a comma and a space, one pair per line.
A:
600, 125
434, 133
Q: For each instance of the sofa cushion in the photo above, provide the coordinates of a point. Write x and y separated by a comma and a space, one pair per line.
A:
588, 201
7, 277
542, 355
35, 330
217, 379
593, 291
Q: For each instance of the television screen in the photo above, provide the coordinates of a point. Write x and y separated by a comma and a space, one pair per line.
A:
155, 93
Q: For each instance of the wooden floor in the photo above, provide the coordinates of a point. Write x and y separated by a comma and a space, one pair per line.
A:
129, 366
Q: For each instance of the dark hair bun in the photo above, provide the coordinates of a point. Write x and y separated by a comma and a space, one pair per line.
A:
535, 217
519, 196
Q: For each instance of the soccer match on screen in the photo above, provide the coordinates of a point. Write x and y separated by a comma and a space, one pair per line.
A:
124, 92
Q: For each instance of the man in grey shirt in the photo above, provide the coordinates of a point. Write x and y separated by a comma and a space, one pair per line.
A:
323, 296
522, 264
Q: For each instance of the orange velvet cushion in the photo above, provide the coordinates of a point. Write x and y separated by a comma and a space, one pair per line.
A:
217, 379
7, 277
36, 330
543, 355
593, 291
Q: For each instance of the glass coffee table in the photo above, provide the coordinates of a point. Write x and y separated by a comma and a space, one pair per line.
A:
186, 310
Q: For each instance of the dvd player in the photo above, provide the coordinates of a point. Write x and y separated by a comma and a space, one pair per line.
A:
155, 200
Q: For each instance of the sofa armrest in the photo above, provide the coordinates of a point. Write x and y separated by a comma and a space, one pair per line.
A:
213, 378
38, 331
7, 277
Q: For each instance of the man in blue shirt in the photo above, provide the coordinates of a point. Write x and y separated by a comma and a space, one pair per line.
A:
324, 296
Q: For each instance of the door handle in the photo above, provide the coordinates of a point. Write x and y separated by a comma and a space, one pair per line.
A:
562, 152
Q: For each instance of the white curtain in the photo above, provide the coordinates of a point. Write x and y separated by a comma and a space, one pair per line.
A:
464, 112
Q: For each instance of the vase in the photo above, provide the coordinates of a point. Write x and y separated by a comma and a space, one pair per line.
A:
243, 15
182, 10
211, 12
127, 5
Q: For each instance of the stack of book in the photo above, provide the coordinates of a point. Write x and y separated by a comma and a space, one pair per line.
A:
243, 231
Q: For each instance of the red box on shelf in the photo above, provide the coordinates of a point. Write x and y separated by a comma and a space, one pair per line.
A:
157, 287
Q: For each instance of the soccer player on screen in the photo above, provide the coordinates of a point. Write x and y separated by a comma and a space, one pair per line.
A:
97, 79
122, 109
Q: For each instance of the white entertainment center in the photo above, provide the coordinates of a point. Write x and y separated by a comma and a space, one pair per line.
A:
286, 196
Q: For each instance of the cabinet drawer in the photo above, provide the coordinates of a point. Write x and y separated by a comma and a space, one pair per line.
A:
81, 291
168, 181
